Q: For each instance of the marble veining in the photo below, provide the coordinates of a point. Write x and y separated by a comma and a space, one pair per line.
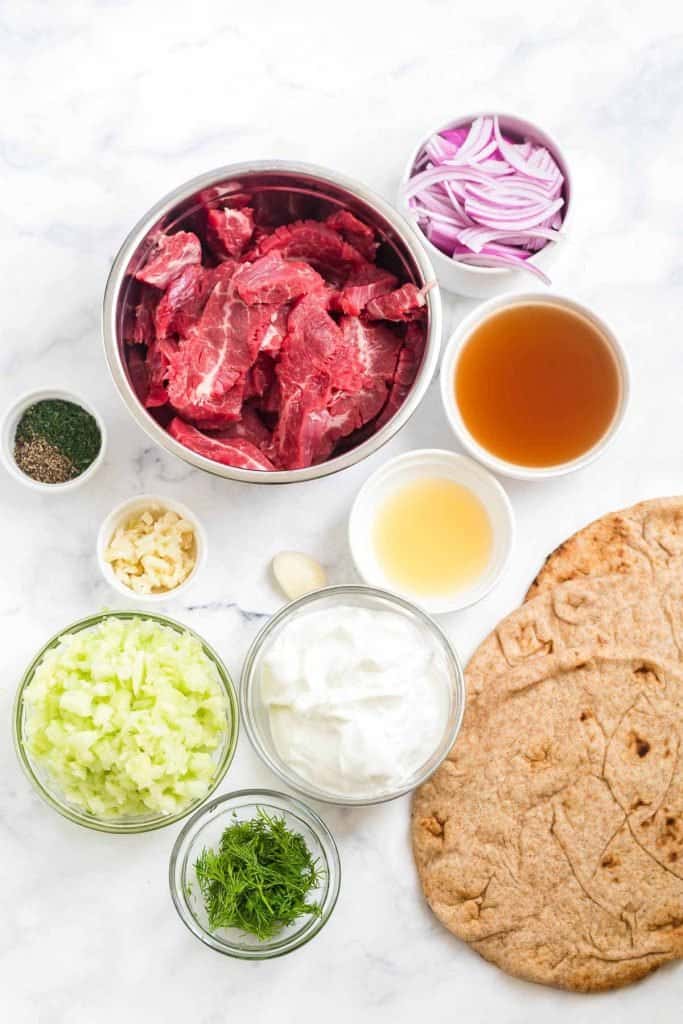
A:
106, 106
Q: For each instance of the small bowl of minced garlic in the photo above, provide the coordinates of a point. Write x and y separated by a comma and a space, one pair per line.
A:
150, 548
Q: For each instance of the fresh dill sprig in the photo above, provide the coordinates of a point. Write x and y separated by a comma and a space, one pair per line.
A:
258, 878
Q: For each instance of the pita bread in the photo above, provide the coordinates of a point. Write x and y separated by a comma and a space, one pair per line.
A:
634, 615
644, 538
551, 839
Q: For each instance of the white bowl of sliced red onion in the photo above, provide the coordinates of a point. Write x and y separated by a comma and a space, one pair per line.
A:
490, 195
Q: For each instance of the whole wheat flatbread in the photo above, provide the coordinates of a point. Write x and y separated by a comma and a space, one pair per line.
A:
635, 615
551, 838
645, 538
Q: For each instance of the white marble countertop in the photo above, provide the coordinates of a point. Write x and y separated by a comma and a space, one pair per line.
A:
106, 107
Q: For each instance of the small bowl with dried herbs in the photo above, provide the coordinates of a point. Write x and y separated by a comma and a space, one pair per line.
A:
52, 440
255, 874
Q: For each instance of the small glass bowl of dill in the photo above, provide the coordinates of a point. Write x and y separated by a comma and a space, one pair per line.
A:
255, 874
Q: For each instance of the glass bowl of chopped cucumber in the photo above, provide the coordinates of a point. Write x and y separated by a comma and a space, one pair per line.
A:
255, 874
126, 721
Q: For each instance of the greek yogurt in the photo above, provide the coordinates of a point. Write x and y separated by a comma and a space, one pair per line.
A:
357, 699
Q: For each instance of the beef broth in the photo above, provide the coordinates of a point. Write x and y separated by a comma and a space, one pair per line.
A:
537, 384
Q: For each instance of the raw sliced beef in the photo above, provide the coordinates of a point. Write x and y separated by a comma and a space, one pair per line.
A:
310, 358
237, 452
375, 348
260, 377
160, 352
358, 234
276, 280
229, 230
181, 304
271, 342
333, 379
409, 361
170, 255
317, 244
138, 373
362, 286
207, 378
138, 327
250, 427
270, 402
279, 350
405, 303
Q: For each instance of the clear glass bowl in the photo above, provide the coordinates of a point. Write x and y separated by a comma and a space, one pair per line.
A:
255, 714
205, 828
46, 786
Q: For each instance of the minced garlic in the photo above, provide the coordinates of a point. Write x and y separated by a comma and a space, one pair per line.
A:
153, 551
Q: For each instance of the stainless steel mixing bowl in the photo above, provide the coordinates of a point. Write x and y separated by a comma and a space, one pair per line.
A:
293, 191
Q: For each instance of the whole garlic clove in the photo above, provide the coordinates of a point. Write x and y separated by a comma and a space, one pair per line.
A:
297, 574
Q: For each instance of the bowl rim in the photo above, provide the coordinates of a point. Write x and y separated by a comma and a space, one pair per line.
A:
394, 217
115, 517
544, 137
298, 809
471, 594
452, 726
453, 350
8, 427
127, 826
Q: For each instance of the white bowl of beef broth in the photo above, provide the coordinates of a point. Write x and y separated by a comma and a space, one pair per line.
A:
534, 386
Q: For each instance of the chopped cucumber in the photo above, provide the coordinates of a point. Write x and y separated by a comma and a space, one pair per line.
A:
124, 716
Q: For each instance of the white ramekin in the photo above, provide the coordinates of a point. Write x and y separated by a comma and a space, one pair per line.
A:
9, 428
404, 469
486, 282
123, 512
449, 365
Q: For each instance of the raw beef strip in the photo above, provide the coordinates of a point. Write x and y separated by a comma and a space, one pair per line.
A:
138, 326
358, 234
183, 301
405, 303
362, 286
138, 374
302, 423
409, 361
311, 357
276, 280
333, 379
316, 243
160, 352
208, 373
270, 401
273, 208
375, 348
260, 376
250, 427
170, 255
237, 452
229, 231
271, 342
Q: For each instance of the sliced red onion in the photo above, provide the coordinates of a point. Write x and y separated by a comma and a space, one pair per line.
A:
502, 261
485, 199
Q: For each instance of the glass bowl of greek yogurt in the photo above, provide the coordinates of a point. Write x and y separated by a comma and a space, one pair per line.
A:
352, 695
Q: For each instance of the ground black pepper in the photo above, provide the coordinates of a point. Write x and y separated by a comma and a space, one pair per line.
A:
56, 440
43, 462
